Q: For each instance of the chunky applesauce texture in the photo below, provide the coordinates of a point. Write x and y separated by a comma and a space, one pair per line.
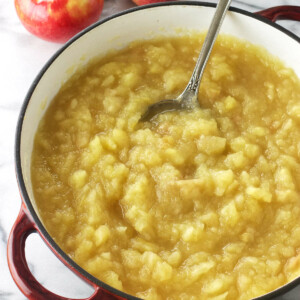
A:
201, 204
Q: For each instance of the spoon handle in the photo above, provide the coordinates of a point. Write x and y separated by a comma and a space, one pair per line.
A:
190, 94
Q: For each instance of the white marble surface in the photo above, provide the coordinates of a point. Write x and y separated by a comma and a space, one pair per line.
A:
21, 57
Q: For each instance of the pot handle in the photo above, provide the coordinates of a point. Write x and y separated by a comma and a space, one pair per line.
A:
20, 272
285, 12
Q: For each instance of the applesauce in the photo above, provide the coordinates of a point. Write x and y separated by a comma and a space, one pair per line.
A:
194, 205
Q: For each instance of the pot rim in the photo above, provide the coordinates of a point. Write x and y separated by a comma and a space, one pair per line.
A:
18, 168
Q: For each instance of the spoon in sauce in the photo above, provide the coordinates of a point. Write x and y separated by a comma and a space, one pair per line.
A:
188, 99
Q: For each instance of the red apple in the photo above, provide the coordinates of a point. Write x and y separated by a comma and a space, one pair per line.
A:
144, 2
57, 20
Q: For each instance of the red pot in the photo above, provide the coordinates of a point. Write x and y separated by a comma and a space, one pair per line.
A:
98, 39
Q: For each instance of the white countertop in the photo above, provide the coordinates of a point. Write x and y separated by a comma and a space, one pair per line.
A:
22, 55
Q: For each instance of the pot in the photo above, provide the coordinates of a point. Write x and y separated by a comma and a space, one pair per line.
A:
113, 33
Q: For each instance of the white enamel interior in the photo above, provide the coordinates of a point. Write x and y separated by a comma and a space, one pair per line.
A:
142, 24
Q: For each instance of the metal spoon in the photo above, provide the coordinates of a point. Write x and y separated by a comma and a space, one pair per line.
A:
188, 100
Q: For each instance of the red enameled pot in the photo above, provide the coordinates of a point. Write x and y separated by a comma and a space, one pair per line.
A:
115, 32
